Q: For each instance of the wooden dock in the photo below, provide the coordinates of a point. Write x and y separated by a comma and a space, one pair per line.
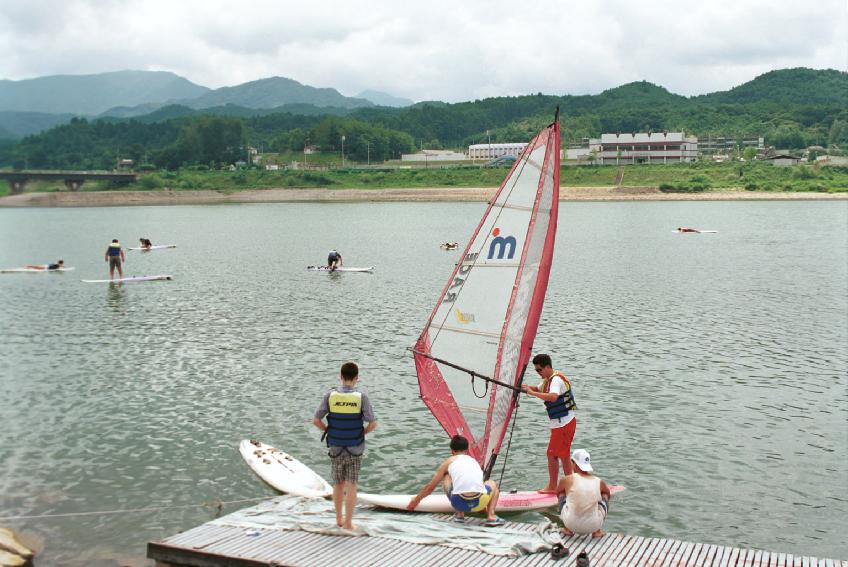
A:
212, 545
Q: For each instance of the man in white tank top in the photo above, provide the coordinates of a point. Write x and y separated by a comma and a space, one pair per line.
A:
464, 486
584, 498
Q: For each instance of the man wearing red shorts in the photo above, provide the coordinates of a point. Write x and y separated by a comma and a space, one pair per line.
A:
555, 391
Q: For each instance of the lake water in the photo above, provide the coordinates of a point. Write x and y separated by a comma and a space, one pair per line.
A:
710, 369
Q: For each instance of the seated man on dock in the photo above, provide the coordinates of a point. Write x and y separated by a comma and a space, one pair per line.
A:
463, 482
584, 498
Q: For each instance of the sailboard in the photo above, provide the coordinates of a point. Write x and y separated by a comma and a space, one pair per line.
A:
34, 270
471, 356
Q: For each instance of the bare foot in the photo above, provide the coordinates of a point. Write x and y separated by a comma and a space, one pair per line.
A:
350, 527
566, 532
599, 533
547, 490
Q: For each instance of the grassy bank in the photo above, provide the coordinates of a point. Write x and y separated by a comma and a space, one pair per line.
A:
694, 177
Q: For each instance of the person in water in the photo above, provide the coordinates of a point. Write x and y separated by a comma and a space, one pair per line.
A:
334, 260
684, 229
59, 264
115, 257
145, 243
584, 498
555, 392
347, 409
462, 479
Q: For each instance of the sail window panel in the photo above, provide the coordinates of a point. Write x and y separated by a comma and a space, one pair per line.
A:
481, 359
520, 188
478, 305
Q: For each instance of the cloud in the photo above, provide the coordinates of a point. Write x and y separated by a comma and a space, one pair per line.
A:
434, 50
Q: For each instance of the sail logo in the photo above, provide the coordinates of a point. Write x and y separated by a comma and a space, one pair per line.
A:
502, 245
459, 278
464, 317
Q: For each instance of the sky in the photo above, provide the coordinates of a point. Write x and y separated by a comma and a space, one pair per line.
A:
429, 50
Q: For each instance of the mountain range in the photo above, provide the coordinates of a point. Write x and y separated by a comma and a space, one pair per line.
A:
34, 105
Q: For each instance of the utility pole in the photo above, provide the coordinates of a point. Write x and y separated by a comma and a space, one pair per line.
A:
343, 139
368, 149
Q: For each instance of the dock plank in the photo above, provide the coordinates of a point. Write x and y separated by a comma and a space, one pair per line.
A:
221, 545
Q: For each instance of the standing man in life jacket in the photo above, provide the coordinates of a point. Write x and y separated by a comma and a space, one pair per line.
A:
555, 391
334, 260
115, 257
347, 410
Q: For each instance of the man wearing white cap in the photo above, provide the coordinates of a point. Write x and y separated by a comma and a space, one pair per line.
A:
584, 498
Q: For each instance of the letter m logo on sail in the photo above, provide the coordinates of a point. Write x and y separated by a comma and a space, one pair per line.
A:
501, 245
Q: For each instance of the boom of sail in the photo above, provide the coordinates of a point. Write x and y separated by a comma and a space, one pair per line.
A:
471, 355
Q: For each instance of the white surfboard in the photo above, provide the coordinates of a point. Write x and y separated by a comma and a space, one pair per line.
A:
285, 473
133, 279
32, 270
282, 471
157, 247
341, 269
692, 232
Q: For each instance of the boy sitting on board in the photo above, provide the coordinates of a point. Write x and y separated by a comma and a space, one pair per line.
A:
463, 484
347, 410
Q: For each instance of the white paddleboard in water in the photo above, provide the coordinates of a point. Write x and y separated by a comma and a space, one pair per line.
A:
133, 279
157, 247
341, 269
285, 473
32, 270
694, 231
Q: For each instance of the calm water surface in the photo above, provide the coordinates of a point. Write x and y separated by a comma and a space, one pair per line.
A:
710, 370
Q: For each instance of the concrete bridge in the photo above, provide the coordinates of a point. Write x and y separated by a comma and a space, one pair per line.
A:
73, 179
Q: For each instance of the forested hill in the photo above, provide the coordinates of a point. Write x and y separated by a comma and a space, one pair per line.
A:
791, 108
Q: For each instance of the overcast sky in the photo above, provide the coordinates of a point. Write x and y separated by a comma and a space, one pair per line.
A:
429, 50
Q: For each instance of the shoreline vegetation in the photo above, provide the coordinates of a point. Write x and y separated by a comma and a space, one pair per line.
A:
197, 185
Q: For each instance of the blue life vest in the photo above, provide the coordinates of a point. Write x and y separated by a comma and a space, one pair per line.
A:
332, 256
114, 250
345, 426
561, 406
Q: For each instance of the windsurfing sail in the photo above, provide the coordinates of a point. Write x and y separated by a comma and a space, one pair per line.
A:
471, 355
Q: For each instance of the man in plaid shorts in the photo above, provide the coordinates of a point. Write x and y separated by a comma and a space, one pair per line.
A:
347, 410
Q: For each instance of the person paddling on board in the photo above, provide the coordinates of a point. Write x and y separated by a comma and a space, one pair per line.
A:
555, 391
145, 243
346, 409
462, 479
334, 260
583, 498
684, 229
115, 257
59, 264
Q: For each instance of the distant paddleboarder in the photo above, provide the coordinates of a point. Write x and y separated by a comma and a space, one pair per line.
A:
684, 229
56, 266
115, 256
334, 260
145, 243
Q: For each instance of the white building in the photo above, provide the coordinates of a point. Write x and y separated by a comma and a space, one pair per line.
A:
492, 151
662, 147
434, 155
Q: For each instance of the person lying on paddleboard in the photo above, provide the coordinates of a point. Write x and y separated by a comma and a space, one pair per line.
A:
462, 479
145, 243
583, 498
56, 266
684, 229
334, 260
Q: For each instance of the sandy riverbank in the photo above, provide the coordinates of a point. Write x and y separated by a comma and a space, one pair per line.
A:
198, 197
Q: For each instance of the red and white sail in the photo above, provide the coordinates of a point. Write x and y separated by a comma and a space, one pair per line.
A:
487, 315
